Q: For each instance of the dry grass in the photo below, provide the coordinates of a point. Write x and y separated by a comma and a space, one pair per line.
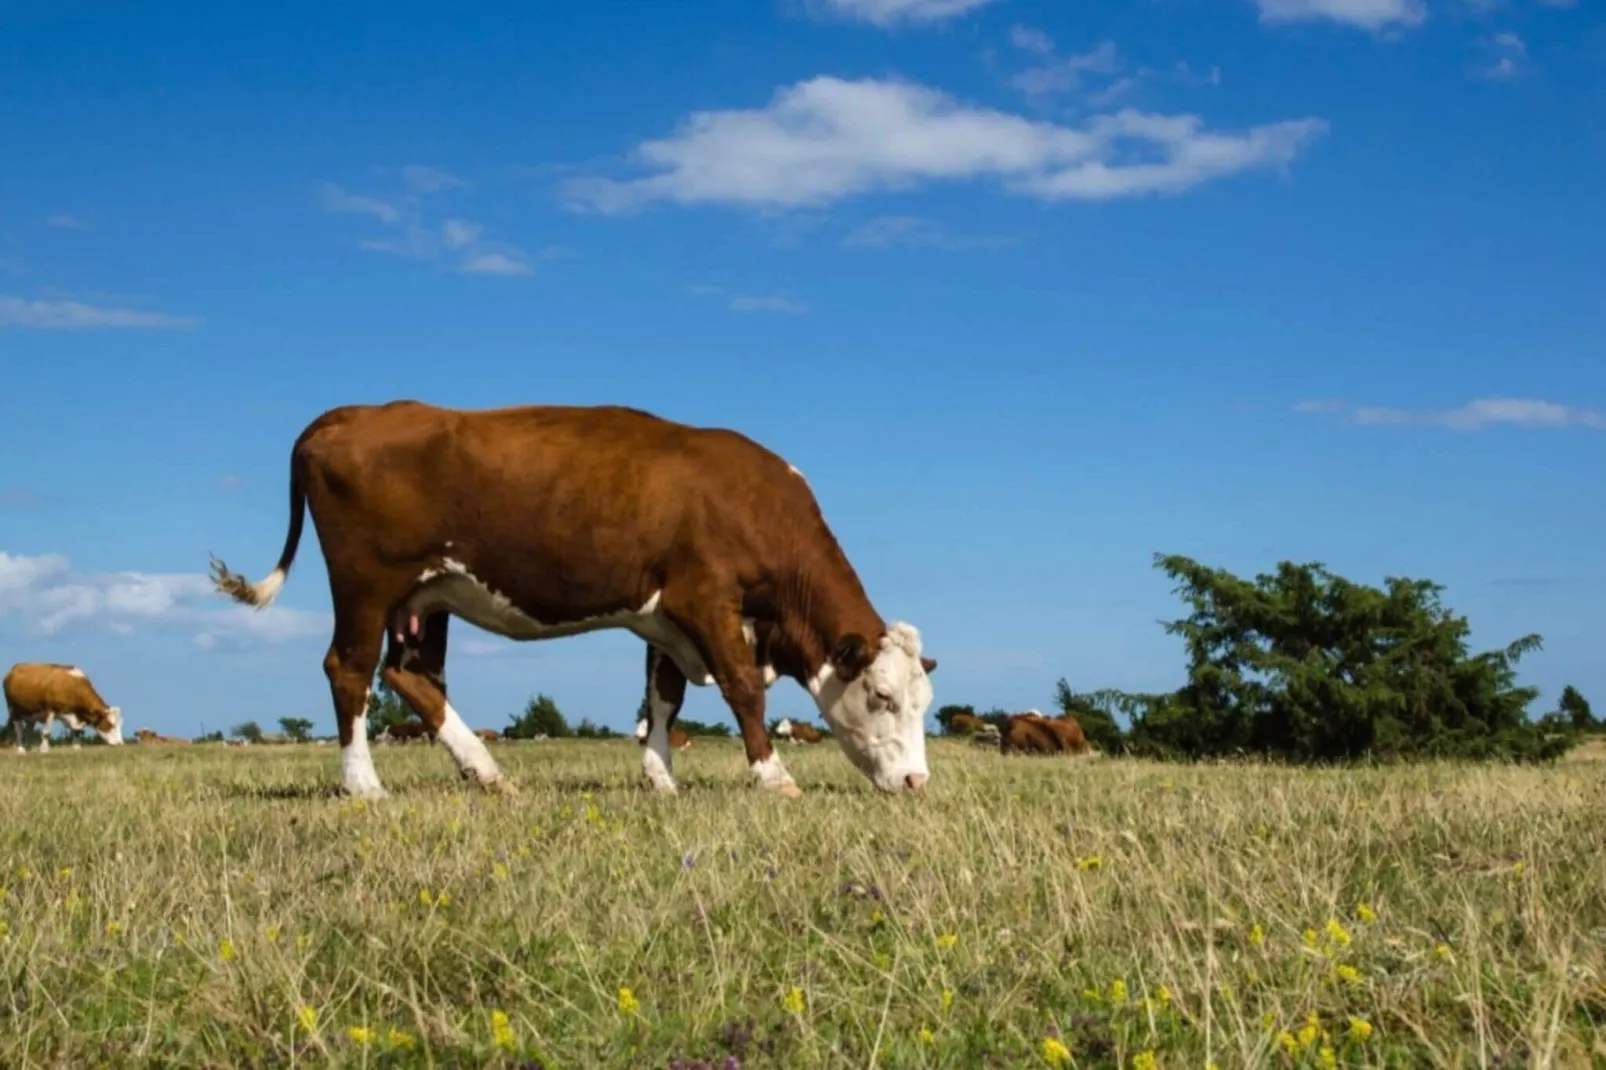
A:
212, 907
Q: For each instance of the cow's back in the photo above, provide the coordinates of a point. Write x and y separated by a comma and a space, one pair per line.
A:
36, 687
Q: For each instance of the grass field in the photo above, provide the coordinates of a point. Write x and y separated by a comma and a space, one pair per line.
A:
206, 906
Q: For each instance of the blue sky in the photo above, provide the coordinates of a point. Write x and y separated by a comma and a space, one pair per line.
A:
1029, 291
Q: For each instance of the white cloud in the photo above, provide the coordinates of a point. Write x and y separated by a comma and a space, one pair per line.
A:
494, 264
43, 591
1029, 39
1476, 415
429, 180
1065, 75
75, 315
752, 302
889, 230
336, 199
1365, 14
827, 138
1506, 57
460, 234
886, 13
65, 222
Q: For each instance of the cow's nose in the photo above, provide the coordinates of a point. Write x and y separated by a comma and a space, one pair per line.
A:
916, 781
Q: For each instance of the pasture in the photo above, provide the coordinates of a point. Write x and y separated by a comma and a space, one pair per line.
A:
208, 906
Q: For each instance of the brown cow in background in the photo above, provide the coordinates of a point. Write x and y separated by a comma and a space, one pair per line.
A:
1032, 733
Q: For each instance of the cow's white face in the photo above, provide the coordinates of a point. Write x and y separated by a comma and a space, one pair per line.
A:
113, 733
875, 701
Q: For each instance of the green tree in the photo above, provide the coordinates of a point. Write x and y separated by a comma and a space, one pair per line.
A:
209, 737
298, 729
1308, 666
540, 716
248, 730
586, 729
945, 717
1575, 709
699, 728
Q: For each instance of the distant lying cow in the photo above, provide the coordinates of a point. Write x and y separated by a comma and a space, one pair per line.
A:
490, 735
965, 724
40, 692
403, 732
1032, 733
148, 736
678, 740
538, 522
798, 731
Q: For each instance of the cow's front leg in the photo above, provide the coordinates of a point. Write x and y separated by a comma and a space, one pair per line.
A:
46, 727
741, 682
666, 691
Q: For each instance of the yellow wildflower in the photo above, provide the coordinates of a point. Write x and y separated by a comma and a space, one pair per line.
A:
926, 1035
1518, 869
1092, 995
1117, 991
1145, 1060
1290, 1045
627, 1001
1055, 1053
1257, 935
882, 960
501, 1030
947, 998
876, 917
1443, 951
1365, 913
5, 928
1268, 1020
1090, 862
225, 950
65, 872
399, 1039
1327, 1058
271, 934
1360, 1029
499, 871
1348, 974
1337, 933
303, 941
946, 941
1164, 995
1308, 1034
307, 1017
361, 1034
792, 1002
113, 929
1310, 937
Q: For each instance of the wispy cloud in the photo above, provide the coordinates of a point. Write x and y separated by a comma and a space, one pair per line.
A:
50, 598
738, 302
1365, 14
1476, 415
1319, 405
411, 235
429, 180
77, 316
65, 222
1504, 58
827, 139
890, 230
1030, 39
1065, 74
888, 13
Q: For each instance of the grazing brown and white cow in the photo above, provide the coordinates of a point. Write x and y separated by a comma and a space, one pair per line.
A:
490, 735
678, 740
965, 724
42, 691
537, 522
798, 731
404, 732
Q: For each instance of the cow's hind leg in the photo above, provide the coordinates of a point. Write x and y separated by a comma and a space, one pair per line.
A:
666, 691
350, 664
415, 668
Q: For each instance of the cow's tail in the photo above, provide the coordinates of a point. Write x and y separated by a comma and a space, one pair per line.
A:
264, 591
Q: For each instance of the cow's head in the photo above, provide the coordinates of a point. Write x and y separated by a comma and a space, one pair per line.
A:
784, 729
875, 699
110, 726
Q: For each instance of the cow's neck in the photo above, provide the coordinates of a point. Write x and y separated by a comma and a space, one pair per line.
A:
812, 624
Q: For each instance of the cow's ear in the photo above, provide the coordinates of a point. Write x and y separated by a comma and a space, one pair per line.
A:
851, 656
929, 664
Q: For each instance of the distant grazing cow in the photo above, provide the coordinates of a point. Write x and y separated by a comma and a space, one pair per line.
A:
542, 521
1032, 733
678, 740
798, 731
490, 735
149, 736
42, 691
